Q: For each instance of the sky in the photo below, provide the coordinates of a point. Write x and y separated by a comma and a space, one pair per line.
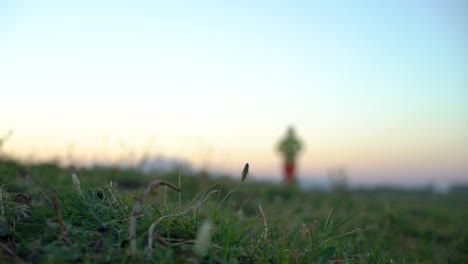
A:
377, 87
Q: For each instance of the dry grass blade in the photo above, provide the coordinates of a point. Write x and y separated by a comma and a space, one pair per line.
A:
265, 225
192, 242
77, 183
11, 253
133, 217
357, 230
55, 204
220, 203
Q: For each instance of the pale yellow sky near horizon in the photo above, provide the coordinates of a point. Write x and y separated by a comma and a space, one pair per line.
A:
366, 156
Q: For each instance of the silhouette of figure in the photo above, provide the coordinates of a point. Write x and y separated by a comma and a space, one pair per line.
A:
289, 147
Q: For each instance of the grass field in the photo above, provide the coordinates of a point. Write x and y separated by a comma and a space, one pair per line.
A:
49, 216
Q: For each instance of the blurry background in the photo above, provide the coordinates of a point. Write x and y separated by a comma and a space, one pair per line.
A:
379, 88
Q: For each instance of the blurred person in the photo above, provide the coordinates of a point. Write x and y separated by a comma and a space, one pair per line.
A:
289, 147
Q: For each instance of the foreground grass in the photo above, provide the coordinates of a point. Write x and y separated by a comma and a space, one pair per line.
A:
48, 217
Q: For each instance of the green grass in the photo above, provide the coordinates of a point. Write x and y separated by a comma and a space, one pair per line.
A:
90, 222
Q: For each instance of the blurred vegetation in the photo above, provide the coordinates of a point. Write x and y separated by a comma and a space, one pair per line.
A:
89, 222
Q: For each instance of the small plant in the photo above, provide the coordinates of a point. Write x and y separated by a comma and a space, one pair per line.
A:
134, 215
153, 225
244, 174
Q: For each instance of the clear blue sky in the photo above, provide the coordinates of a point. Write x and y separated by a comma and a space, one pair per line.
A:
380, 87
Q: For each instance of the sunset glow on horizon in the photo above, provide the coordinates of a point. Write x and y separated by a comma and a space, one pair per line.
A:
378, 88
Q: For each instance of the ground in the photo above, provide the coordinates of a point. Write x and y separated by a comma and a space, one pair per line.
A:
48, 215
